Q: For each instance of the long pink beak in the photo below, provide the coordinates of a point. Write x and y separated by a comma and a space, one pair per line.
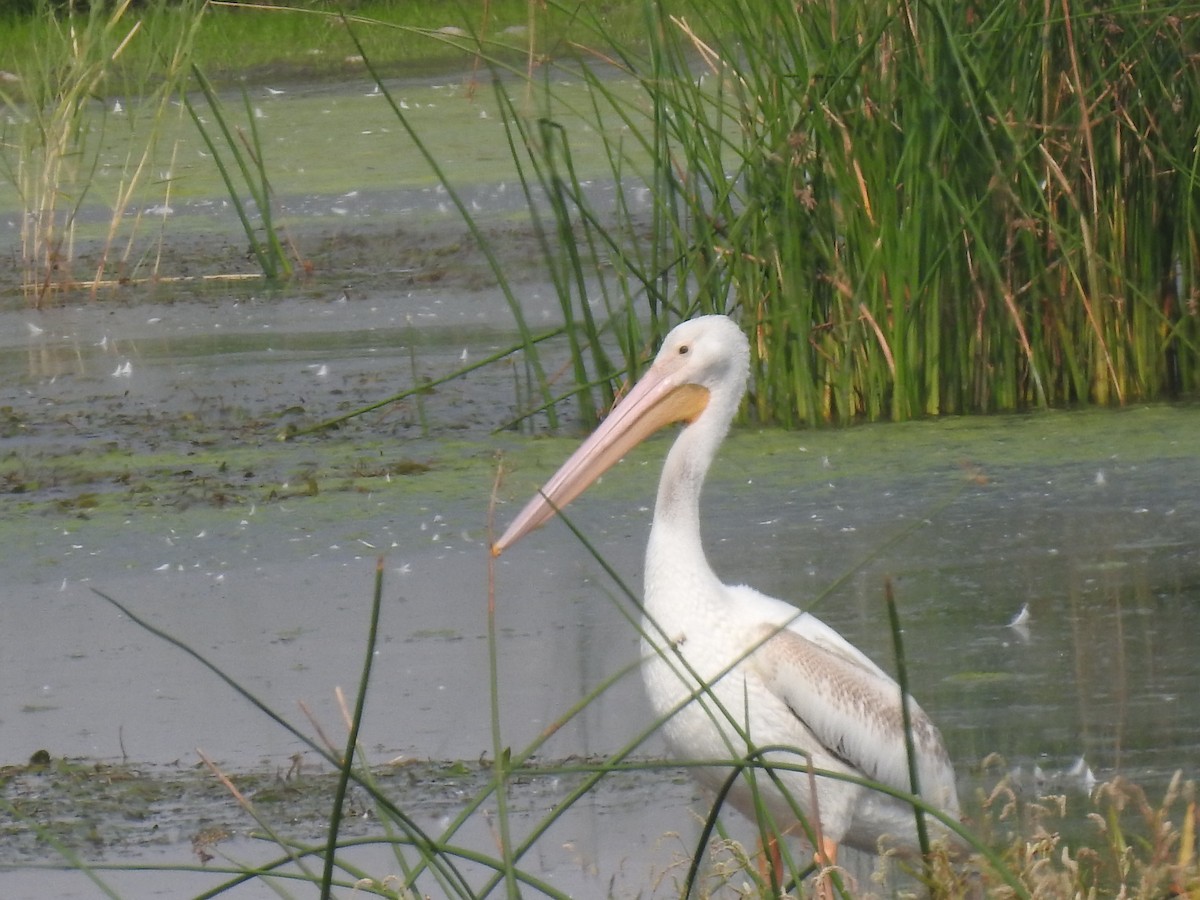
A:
659, 399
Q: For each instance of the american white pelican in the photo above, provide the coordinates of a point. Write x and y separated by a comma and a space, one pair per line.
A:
775, 676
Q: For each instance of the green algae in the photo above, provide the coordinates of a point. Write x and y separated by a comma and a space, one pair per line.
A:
122, 481
225, 471
99, 809
974, 448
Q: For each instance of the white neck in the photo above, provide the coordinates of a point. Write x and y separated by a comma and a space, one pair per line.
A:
675, 556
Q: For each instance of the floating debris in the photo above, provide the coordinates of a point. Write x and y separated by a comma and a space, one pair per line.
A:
1020, 623
1081, 775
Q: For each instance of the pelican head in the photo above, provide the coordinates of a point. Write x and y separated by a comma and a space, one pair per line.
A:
698, 378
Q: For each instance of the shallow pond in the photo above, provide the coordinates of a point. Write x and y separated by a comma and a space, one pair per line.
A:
260, 555
140, 459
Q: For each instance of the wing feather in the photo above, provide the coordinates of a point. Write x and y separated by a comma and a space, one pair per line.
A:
853, 709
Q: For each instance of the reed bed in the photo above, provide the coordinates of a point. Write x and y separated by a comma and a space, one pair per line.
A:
914, 209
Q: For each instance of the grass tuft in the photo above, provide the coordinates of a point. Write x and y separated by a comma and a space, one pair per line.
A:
54, 135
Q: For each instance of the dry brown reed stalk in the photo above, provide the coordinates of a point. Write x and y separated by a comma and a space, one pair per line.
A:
61, 119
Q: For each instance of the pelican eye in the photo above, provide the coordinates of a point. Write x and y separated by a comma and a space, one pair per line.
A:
683, 349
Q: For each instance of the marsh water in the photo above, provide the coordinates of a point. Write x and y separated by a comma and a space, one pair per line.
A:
141, 461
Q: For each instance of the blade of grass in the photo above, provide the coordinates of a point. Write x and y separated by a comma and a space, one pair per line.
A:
501, 755
412, 831
910, 749
493, 262
69, 856
532, 340
347, 761
265, 260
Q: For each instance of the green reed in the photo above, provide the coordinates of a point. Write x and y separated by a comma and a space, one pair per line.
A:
238, 155
913, 210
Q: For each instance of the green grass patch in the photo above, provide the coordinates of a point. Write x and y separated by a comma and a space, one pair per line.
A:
307, 39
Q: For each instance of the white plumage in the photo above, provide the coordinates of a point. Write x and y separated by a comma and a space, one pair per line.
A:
731, 669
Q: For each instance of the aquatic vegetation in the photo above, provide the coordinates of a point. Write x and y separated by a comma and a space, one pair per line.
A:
906, 222
54, 142
234, 152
